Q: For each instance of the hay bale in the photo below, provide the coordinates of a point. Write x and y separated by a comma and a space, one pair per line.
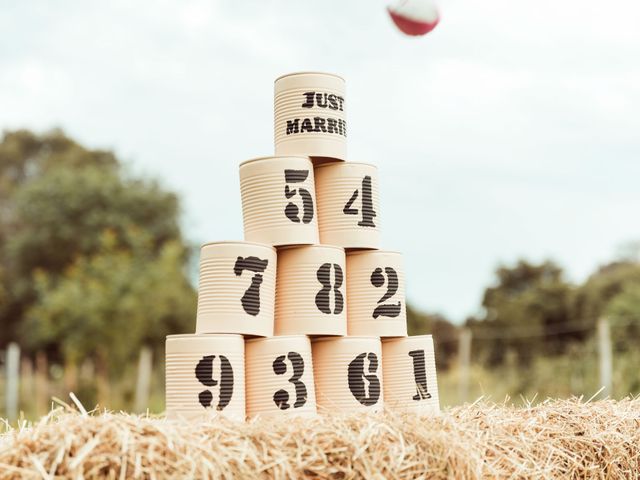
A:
555, 439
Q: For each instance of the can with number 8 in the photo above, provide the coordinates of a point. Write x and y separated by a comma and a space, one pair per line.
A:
375, 294
348, 372
311, 291
279, 201
237, 288
279, 375
348, 204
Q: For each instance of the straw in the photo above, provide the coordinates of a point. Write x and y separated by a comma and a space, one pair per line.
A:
554, 439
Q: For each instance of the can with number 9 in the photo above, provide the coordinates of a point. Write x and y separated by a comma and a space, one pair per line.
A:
375, 294
205, 376
279, 201
237, 288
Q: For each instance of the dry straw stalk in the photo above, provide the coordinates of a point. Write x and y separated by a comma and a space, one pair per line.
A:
555, 439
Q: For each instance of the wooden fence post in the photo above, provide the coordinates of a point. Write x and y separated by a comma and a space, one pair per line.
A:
13, 381
143, 383
605, 356
464, 357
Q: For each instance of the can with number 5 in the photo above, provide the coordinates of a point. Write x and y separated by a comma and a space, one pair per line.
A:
375, 294
279, 201
237, 288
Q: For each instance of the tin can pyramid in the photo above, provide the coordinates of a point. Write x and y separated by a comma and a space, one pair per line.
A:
307, 315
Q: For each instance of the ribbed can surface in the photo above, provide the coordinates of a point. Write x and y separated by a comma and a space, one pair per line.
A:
309, 115
348, 204
348, 373
205, 376
237, 288
375, 294
409, 370
311, 291
279, 201
279, 374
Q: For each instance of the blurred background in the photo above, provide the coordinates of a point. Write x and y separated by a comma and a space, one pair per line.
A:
507, 142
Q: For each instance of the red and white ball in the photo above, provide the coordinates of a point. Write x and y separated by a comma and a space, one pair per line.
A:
415, 17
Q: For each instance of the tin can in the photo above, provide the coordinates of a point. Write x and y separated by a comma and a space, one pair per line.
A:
310, 117
348, 374
279, 374
205, 376
237, 288
311, 291
375, 294
279, 201
348, 204
409, 371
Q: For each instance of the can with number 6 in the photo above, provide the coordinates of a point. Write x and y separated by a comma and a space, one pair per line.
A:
311, 291
348, 204
375, 294
205, 376
348, 373
409, 371
237, 288
279, 201
279, 375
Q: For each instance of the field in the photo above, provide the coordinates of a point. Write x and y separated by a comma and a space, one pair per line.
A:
554, 439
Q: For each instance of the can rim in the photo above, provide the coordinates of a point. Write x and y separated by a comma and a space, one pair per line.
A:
273, 157
346, 338
408, 337
310, 72
201, 335
237, 242
360, 252
311, 245
342, 162
263, 339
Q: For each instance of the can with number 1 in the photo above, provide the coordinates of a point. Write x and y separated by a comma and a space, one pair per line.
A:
279, 201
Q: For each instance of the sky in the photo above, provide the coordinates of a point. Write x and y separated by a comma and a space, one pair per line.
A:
511, 131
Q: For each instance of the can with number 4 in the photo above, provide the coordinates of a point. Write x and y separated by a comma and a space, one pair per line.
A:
279, 201
237, 288
375, 294
348, 206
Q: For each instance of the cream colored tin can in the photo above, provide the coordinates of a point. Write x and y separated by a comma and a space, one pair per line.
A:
237, 288
375, 294
348, 374
279, 201
310, 116
279, 373
205, 376
409, 371
311, 291
348, 204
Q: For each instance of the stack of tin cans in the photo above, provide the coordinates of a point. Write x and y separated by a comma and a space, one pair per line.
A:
306, 315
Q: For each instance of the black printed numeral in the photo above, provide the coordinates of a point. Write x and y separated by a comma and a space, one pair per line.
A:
366, 211
204, 374
420, 375
292, 211
323, 296
357, 377
391, 310
281, 397
251, 298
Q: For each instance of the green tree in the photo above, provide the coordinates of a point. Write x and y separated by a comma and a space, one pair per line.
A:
57, 200
526, 311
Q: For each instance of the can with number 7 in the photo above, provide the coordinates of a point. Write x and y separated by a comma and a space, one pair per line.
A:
279, 201
375, 294
237, 288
